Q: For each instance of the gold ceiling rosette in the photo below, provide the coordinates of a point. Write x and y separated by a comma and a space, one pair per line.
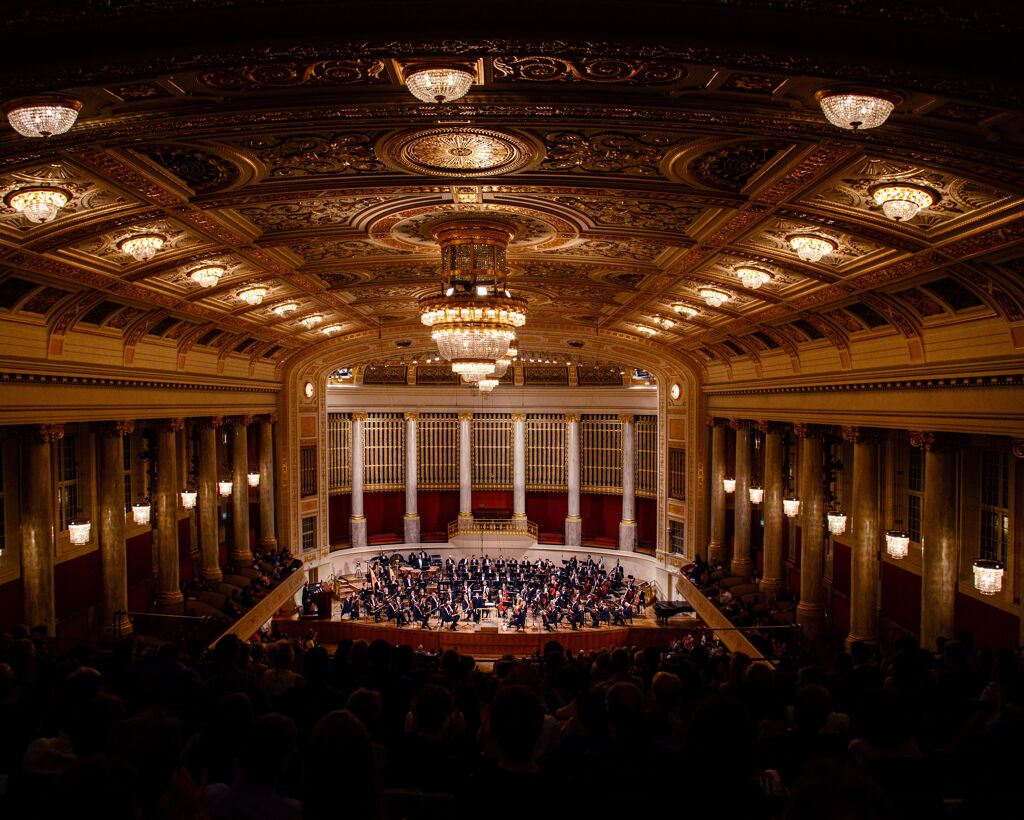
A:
474, 317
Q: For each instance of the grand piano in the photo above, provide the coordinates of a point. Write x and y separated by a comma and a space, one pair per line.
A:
663, 610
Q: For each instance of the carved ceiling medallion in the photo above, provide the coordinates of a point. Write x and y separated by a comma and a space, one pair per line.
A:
460, 152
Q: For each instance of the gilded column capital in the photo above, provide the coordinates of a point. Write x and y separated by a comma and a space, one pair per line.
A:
804, 430
465, 416
269, 418
411, 416
1017, 447
44, 433
860, 435
627, 418
924, 439
240, 421
116, 429
739, 424
170, 425
359, 415
767, 426
714, 421
519, 417
571, 417
209, 422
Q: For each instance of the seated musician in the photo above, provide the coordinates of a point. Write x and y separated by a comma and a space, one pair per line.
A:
449, 567
618, 614
449, 615
550, 617
604, 613
518, 619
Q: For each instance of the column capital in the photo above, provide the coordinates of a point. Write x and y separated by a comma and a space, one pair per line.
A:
627, 418
170, 425
268, 418
116, 429
240, 421
359, 415
571, 417
931, 442
1017, 447
739, 424
804, 430
468, 416
519, 417
714, 421
860, 435
768, 426
209, 422
411, 416
44, 433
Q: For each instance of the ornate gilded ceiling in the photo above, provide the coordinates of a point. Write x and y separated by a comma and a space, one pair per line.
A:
633, 179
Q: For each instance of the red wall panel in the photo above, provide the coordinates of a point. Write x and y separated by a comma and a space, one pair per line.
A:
841, 558
901, 597
601, 515
647, 522
991, 627
140, 557
184, 550
493, 500
548, 510
339, 509
437, 509
76, 584
384, 512
12, 604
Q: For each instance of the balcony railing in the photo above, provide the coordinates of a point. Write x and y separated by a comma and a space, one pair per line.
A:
498, 526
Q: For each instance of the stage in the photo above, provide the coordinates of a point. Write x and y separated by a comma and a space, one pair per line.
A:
489, 644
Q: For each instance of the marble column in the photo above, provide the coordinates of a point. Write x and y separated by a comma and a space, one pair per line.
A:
866, 534
38, 539
268, 522
519, 466
573, 522
939, 553
716, 546
208, 501
166, 500
240, 550
741, 563
627, 526
771, 580
465, 466
113, 553
357, 520
810, 611
412, 516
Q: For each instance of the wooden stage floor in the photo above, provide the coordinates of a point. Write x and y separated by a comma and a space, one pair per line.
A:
489, 644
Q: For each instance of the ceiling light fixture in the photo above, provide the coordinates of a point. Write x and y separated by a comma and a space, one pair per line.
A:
811, 247
791, 507
473, 319
902, 201
224, 488
837, 522
686, 310
311, 321
752, 278
141, 511
439, 84
330, 330
729, 485
988, 576
487, 385
897, 544
42, 116
647, 331
856, 109
714, 298
142, 247
253, 479
285, 308
253, 296
756, 494
79, 531
38, 204
188, 498
208, 276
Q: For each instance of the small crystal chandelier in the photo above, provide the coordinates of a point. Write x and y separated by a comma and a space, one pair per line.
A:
42, 116
330, 330
501, 366
311, 321
837, 522
729, 485
141, 511
647, 331
988, 576
474, 319
79, 531
897, 544
439, 84
253, 296
791, 507
811, 247
714, 298
756, 495
902, 201
685, 310
753, 278
38, 204
487, 385
856, 108
208, 276
668, 324
142, 247
285, 308
254, 479
472, 369
224, 488
188, 498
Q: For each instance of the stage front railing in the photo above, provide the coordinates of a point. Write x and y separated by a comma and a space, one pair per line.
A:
500, 526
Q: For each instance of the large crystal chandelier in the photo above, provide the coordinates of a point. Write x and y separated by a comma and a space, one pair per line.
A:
856, 108
900, 201
42, 116
473, 320
39, 204
439, 84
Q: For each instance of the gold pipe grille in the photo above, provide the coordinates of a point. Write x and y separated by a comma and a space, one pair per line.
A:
492, 451
384, 452
646, 456
600, 454
546, 453
437, 451
339, 453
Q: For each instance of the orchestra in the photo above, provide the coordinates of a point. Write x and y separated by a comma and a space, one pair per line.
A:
413, 590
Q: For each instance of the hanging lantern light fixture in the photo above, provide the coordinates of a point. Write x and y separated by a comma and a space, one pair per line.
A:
791, 507
254, 479
756, 494
897, 540
836, 522
79, 531
224, 488
988, 576
188, 498
141, 512
729, 485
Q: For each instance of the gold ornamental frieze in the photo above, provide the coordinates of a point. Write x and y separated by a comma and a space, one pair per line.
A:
459, 151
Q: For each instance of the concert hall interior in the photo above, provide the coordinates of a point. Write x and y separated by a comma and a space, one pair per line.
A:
408, 405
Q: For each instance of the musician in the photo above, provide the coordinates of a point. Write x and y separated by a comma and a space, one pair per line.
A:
448, 615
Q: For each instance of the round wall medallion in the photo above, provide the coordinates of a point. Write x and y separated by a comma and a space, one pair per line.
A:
308, 390
457, 152
676, 392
